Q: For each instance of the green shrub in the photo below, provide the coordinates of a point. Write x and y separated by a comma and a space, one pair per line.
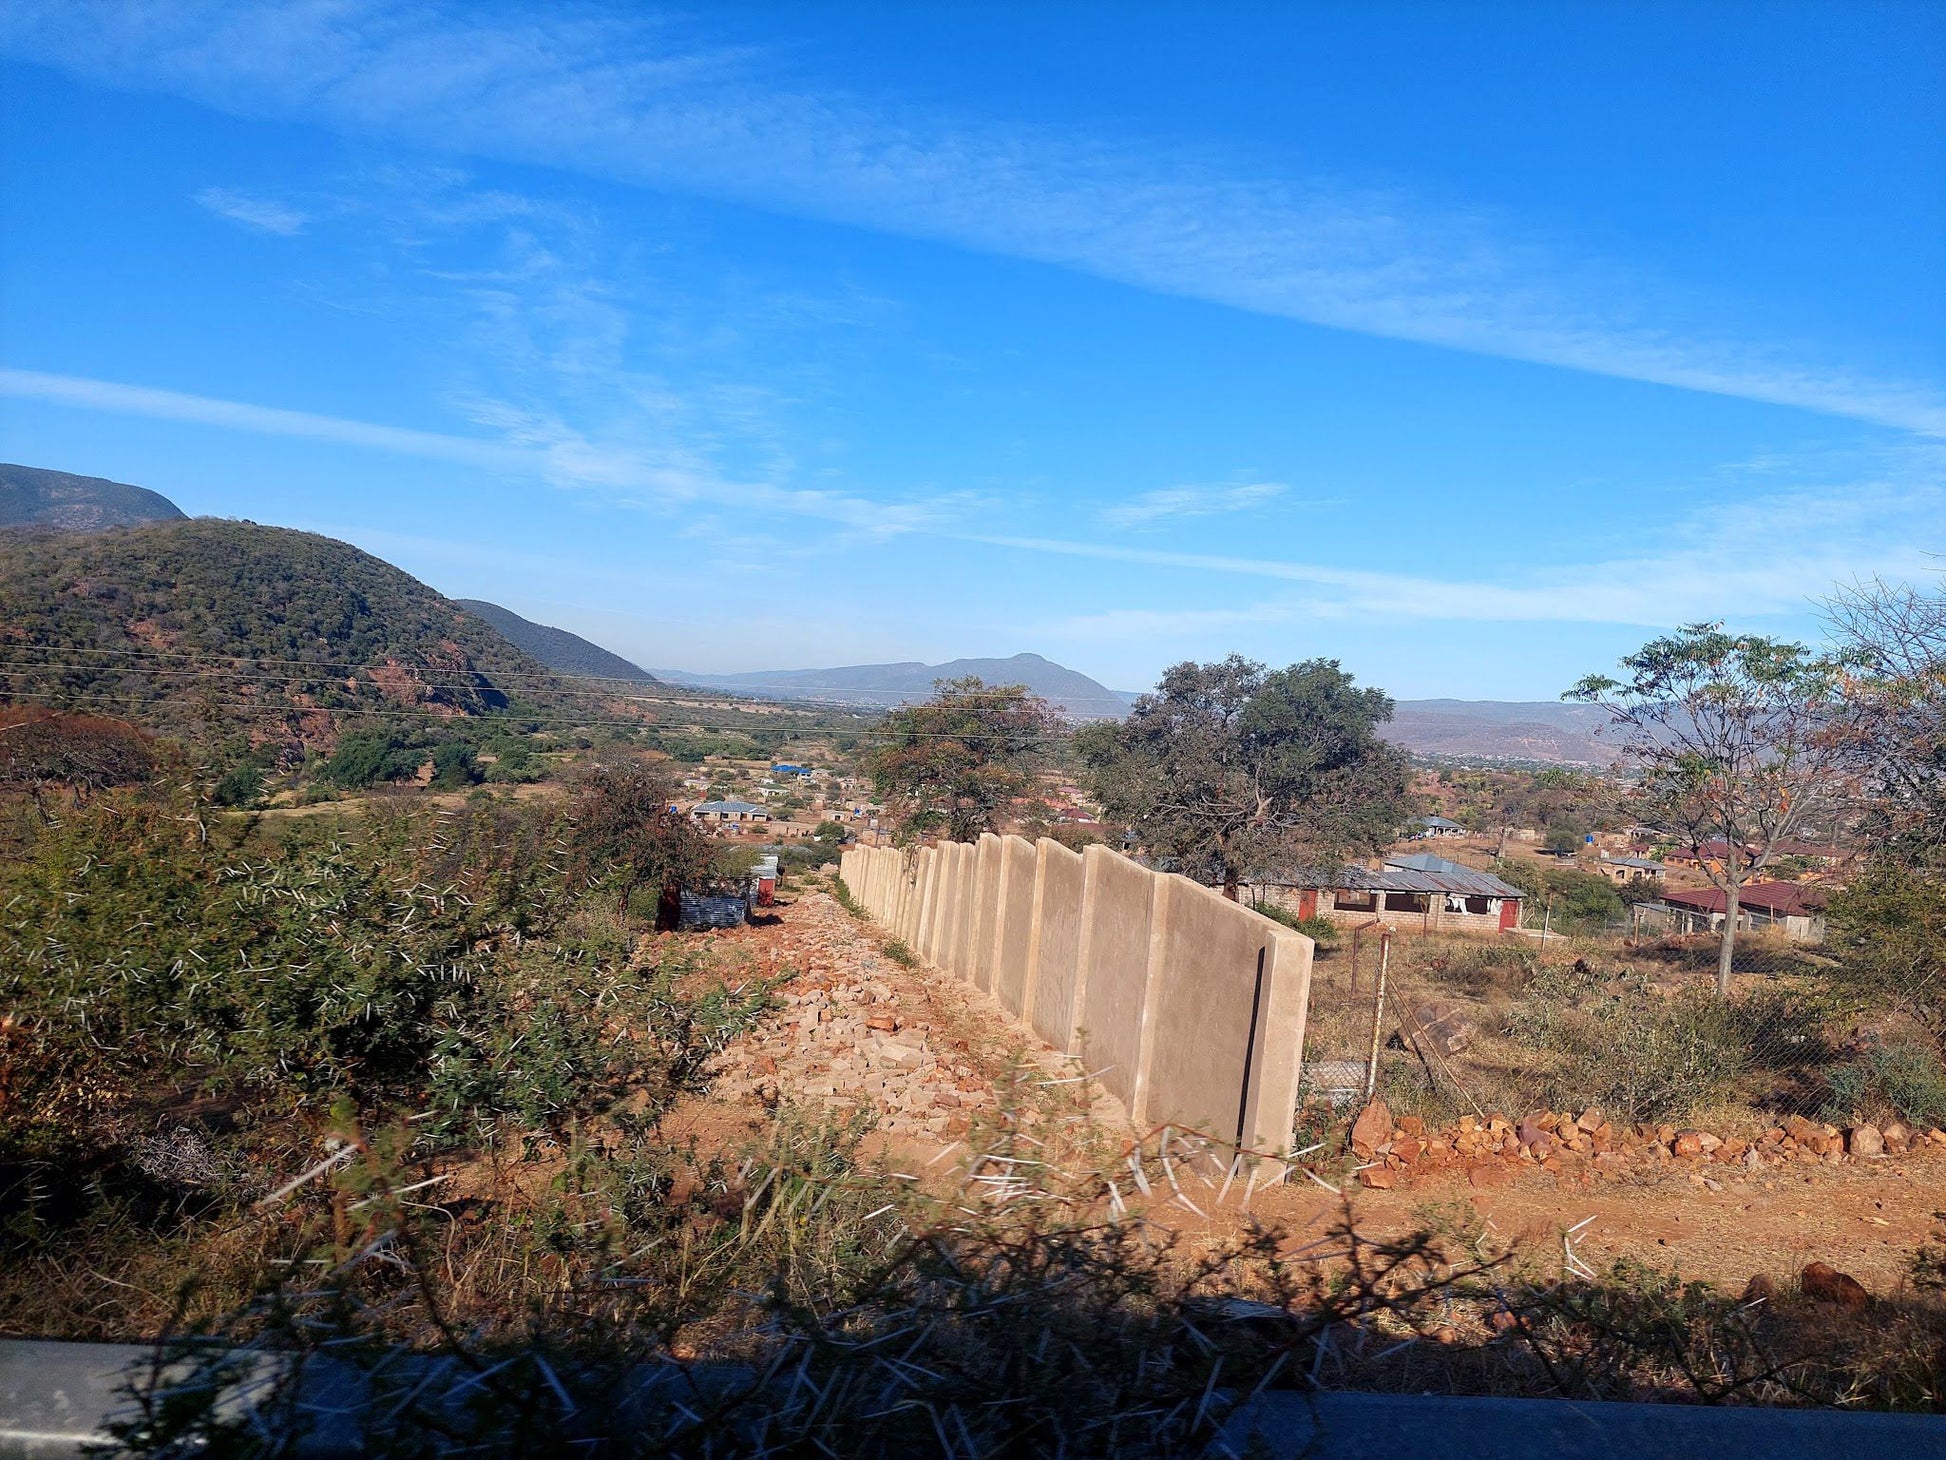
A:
453, 766
366, 759
1906, 1079
1320, 930
439, 957
241, 786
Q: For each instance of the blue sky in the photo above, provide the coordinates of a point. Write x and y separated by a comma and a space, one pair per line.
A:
1470, 345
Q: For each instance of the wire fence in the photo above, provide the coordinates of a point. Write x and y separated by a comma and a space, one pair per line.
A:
1627, 1019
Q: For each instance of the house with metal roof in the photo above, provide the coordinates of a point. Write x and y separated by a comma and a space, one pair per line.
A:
1427, 827
1628, 869
728, 812
1446, 898
1791, 908
1425, 862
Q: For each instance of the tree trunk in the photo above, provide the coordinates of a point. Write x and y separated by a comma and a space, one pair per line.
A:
668, 908
1727, 950
1230, 883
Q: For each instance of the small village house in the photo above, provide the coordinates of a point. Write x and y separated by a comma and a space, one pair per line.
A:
1429, 828
1422, 892
1791, 908
731, 814
1627, 869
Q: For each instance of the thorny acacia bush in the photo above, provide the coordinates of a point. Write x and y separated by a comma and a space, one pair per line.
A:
432, 963
807, 1301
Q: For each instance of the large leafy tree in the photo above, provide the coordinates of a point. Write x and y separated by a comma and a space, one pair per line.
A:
1737, 740
951, 765
1232, 768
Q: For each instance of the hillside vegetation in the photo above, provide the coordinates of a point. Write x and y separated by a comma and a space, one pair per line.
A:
184, 623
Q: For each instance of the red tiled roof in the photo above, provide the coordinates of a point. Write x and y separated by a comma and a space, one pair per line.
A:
1779, 899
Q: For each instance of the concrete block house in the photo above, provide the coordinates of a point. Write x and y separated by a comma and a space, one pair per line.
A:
1422, 893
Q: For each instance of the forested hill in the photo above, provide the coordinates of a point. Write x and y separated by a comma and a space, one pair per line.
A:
559, 650
35, 498
186, 623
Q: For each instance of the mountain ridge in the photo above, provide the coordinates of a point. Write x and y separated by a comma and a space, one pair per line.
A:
169, 622
561, 650
37, 498
885, 686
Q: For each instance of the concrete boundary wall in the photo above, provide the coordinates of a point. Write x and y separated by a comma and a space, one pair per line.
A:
1187, 1007
1012, 954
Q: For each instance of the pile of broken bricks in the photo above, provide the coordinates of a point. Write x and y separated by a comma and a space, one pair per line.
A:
1589, 1147
845, 1036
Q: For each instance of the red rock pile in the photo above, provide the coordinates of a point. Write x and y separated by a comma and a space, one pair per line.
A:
1590, 1146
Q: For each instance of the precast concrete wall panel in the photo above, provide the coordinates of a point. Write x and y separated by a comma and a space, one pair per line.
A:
986, 912
928, 901
915, 891
1280, 1066
1053, 973
1114, 969
951, 901
1012, 954
1215, 970
967, 911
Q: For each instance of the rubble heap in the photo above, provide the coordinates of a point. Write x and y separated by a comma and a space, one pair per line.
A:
1589, 1147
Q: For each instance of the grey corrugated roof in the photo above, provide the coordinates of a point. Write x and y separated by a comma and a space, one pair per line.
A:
1466, 883
728, 806
1426, 862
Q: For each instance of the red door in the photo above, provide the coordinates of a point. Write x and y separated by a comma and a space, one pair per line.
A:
1509, 914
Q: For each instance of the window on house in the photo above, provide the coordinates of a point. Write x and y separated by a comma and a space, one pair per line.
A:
1355, 901
1480, 906
1405, 902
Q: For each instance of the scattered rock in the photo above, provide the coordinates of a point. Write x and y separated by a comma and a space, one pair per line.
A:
1826, 1284
1489, 1173
1378, 1178
1372, 1129
1687, 1143
1865, 1142
1760, 1288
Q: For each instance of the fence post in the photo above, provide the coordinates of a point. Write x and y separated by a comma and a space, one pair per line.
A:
1378, 1013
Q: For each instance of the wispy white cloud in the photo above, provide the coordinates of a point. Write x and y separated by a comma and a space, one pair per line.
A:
628, 97
539, 449
1767, 555
265, 215
1145, 625
1204, 500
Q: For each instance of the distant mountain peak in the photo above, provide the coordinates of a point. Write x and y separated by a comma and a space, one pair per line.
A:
34, 497
885, 686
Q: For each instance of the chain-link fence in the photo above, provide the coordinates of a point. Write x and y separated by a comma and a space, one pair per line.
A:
1629, 1020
